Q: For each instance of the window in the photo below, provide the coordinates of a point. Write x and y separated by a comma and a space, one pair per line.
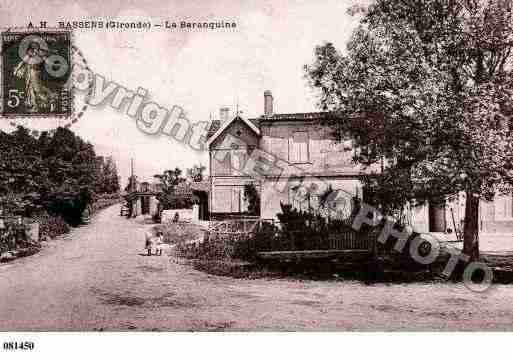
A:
221, 162
229, 162
299, 147
228, 199
221, 199
503, 207
238, 160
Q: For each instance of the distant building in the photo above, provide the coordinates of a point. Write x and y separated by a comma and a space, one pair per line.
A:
309, 157
141, 198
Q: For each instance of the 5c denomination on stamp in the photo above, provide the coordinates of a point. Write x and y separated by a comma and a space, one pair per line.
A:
35, 72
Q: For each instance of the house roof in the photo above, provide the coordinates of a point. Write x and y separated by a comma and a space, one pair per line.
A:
217, 127
304, 116
225, 125
255, 121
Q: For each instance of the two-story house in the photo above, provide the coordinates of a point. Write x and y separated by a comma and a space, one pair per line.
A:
304, 155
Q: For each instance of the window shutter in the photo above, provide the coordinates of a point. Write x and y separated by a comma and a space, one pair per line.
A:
236, 199
298, 147
292, 150
235, 161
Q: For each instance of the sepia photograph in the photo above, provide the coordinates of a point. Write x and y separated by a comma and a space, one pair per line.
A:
278, 171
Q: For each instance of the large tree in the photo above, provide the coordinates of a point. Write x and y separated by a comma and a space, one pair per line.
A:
49, 163
169, 180
107, 178
426, 85
56, 170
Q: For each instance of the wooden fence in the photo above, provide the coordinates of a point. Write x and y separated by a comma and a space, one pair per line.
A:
268, 235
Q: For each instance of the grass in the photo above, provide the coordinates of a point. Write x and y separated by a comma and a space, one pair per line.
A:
233, 269
180, 232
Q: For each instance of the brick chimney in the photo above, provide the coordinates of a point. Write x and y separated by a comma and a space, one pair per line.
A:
224, 113
268, 103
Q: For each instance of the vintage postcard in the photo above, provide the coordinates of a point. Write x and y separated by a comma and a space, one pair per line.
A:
261, 166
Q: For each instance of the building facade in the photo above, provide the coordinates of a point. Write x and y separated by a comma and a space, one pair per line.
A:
306, 164
141, 198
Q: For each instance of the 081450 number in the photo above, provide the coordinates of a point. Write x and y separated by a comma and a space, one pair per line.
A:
18, 346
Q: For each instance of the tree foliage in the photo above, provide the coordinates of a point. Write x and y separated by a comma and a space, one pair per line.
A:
195, 174
51, 170
169, 180
108, 178
427, 86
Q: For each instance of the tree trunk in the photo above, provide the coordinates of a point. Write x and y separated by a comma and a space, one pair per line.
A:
471, 227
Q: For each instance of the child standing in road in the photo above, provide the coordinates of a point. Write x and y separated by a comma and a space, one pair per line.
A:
150, 241
160, 243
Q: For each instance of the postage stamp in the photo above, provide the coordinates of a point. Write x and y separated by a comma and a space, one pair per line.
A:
36, 67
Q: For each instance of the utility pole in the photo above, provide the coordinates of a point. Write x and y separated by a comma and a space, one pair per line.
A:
132, 184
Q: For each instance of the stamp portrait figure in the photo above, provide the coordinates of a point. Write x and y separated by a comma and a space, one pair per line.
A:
35, 72
38, 96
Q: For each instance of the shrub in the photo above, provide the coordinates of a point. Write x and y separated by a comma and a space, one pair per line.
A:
252, 197
308, 231
105, 200
179, 233
14, 235
221, 245
212, 247
69, 206
172, 201
51, 226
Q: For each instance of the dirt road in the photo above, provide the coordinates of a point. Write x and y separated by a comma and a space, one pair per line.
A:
100, 280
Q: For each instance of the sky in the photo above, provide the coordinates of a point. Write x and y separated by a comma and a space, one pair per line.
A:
200, 71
